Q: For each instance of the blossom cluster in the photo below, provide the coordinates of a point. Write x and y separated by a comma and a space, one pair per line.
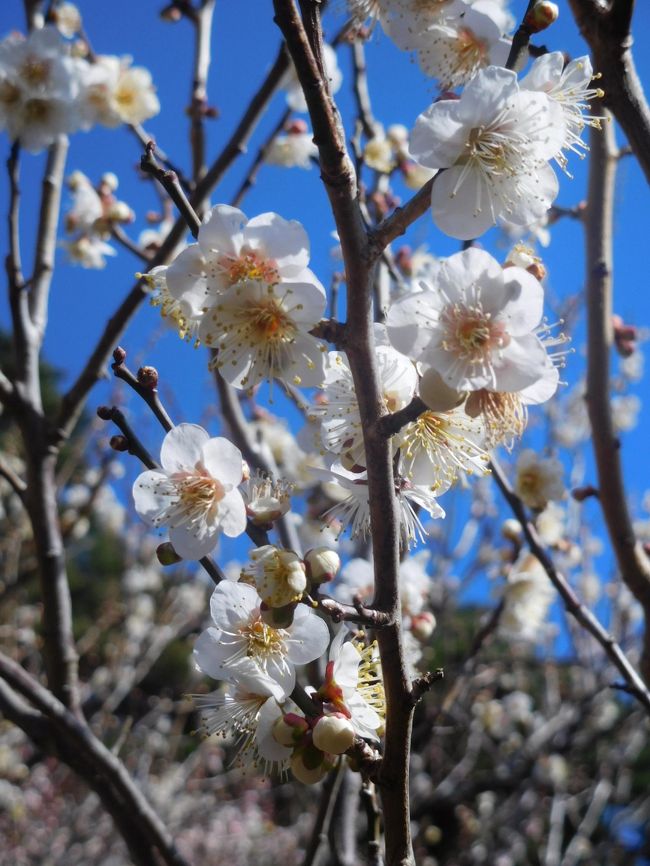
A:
47, 89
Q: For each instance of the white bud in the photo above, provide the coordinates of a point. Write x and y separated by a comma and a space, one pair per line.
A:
333, 734
110, 180
323, 564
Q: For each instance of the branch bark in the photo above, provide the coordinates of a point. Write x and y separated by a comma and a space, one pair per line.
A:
632, 560
304, 39
607, 32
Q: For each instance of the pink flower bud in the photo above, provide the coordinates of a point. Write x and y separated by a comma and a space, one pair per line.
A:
423, 625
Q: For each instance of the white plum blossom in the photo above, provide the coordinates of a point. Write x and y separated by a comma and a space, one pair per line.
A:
241, 648
338, 411
353, 509
527, 598
494, 142
538, 480
88, 251
114, 92
462, 40
232, 249
569, 85
439, 446
195, 492
294, 148
248, 716
261, 331
475, 326
39, 85
353, 685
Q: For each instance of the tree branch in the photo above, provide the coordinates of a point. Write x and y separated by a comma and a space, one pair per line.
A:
571, 602
606, 31
632, 560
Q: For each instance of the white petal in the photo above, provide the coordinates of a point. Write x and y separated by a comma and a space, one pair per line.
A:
194, 542
182, 447
232, 514
222, 231
284, 241
309, 636
151, 495
222, 460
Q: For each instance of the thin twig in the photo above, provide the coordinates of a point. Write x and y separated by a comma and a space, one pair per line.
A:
169, 180
571, 602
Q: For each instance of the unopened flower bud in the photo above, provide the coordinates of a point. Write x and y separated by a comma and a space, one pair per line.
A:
538, 270
119, 355
109, 179
289, 729
105, 413
542, 15
582, 493
277, 617
148, 377
296, 127
511, 530
625, 337
398, 135
423, 625
120, 212
322, 564
171, 13
310, 765
119, 443
437, 395
76, 179
166, 554
67, 19
333, 734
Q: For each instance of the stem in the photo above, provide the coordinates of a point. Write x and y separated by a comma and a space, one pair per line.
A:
632, 560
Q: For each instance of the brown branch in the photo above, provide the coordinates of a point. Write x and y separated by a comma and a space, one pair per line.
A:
150, 395
118, 233
303, 41
607, 32
18, 485
323, 818
46, 238
202, 20
169, 181
519, 48
398, 222
389, 425
571, 602
632, 560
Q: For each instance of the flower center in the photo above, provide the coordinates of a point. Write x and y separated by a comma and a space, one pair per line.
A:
446, 446
470, 333
262, 641
37, 111
248, 265
270, 322
492, 150
503, 413
471, 53
35, 71
198, 493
